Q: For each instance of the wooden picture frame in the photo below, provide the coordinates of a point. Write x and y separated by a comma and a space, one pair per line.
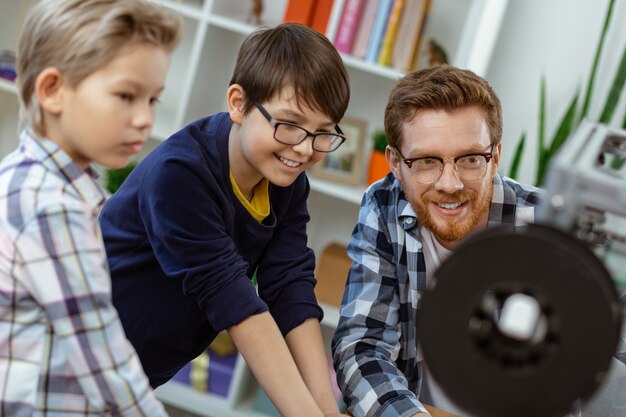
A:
345, 165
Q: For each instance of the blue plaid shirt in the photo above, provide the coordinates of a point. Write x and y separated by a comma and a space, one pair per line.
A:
62, 347
374, 347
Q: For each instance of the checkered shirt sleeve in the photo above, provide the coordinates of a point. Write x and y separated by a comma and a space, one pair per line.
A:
369, 355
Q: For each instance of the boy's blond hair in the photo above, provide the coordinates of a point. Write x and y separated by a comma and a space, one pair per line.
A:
79, 36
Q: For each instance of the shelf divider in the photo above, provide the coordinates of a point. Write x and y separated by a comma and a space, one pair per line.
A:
352, 194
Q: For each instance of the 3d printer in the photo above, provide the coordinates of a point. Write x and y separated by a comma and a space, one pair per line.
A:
526, 322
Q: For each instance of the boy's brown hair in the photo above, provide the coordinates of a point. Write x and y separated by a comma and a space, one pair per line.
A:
293, 55
440, 87
79, 36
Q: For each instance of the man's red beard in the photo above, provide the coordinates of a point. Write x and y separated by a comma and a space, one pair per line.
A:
453, 230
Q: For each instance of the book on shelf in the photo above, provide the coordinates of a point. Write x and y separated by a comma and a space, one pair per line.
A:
321, 14
350, 18
364, 29
378, 30
408, 44
389, 39
209, 372
299, 11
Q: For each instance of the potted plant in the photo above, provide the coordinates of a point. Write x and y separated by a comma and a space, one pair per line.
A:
548, 147
378, 167
115, 177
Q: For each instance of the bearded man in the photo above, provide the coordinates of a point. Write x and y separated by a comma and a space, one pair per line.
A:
444, 127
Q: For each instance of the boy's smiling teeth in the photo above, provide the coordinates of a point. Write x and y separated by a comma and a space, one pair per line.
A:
289, 162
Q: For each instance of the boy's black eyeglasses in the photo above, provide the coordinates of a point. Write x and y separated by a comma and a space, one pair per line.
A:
292, 134
428, 169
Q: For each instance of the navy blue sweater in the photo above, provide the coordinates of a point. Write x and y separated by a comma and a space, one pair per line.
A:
182, 250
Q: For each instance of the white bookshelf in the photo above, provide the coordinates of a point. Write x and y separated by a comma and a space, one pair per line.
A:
8, 86
196, 84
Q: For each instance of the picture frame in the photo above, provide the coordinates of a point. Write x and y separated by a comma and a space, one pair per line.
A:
345, 165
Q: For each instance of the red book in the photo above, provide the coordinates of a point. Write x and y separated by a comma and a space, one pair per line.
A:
299, 11
321, 14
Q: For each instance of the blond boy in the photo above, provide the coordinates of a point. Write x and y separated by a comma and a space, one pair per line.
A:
90, 74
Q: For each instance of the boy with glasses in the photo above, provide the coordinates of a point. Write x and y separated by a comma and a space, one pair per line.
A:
224, 200
444, 127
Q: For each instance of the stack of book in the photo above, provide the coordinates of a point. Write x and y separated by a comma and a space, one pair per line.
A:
212, 371
386, 32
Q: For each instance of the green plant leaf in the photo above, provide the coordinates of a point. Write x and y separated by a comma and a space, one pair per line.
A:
563, 131
517, 157
542, 166
541, 134
616, 90
565, 128
596, 61
380, 140
617, 163
115, 177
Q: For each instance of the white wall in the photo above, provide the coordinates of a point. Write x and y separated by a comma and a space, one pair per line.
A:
556, 38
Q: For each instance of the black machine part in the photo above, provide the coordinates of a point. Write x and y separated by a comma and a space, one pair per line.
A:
491, 373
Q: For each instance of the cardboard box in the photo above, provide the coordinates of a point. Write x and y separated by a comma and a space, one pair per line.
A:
331, 273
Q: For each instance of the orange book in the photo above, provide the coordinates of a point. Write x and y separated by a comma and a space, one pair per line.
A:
321, 14
299, 11
389, 40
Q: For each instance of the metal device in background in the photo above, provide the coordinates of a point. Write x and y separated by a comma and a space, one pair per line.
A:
586, 193
525, 322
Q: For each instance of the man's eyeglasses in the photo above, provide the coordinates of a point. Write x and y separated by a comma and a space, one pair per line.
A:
428, 169
292, 134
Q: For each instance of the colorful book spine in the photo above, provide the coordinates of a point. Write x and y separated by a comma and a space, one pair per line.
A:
348, 25
299, 11
321, 14
359, 48
389, 40
407, 49
378, 30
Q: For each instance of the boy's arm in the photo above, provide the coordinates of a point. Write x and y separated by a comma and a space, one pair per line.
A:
262, 345
286, 281
63, 264
307, 347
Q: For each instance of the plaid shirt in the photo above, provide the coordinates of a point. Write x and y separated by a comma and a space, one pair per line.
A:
374, 347
62, 348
